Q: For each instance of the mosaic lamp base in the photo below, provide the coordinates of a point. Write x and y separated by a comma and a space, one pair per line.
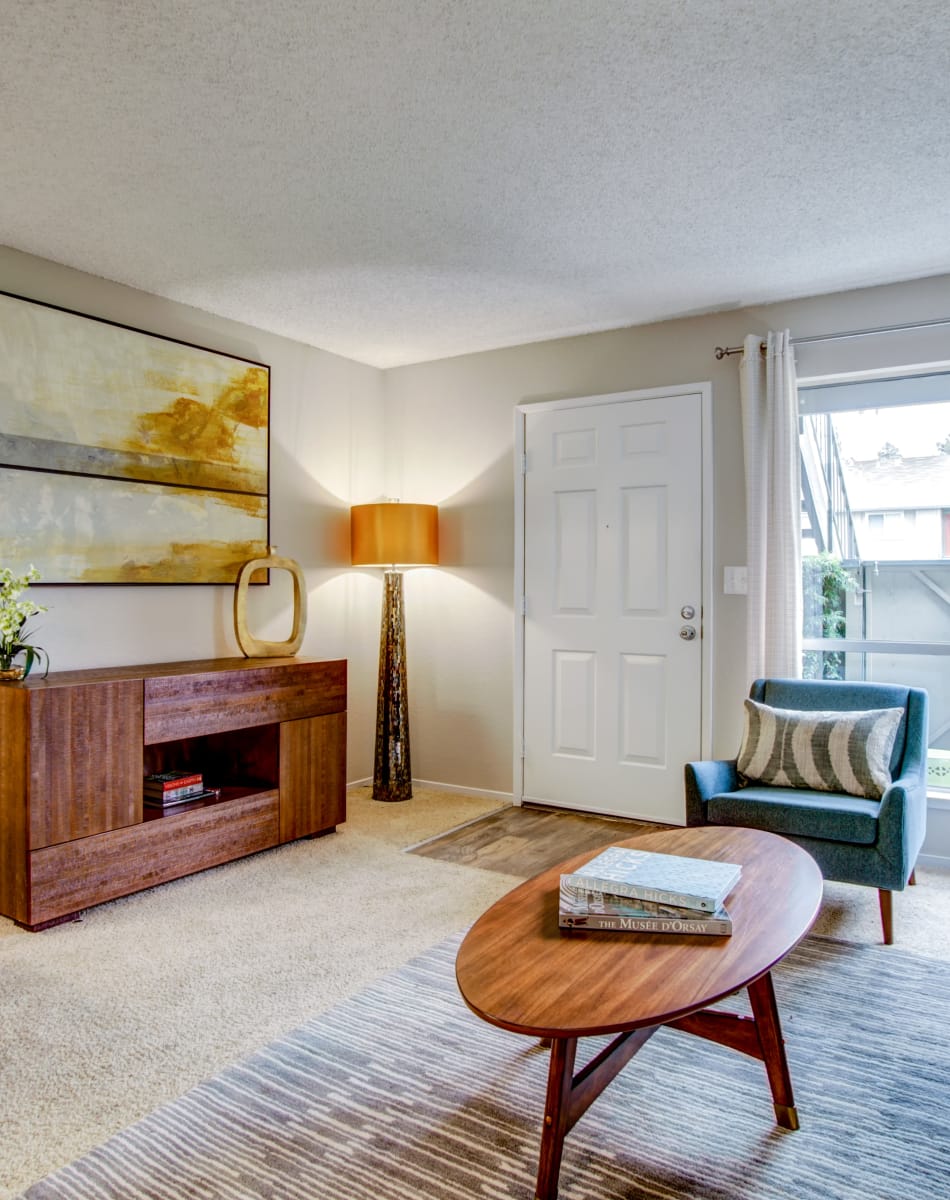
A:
392, 771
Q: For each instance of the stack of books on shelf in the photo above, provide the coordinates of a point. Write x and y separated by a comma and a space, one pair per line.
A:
645, 892
176, 787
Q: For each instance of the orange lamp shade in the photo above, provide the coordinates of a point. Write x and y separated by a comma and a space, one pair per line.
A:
389, 533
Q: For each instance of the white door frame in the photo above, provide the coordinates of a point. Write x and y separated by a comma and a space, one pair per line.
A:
705, 392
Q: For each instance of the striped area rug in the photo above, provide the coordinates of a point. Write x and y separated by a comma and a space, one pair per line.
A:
402, 1094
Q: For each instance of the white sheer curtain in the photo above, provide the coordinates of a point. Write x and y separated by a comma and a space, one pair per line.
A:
773, 505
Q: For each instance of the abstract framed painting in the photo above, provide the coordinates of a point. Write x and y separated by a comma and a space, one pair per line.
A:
125, 456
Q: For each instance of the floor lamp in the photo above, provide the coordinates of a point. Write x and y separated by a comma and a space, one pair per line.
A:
388, 534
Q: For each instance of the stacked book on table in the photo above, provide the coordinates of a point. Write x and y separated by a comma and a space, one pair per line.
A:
176, 787
646, 892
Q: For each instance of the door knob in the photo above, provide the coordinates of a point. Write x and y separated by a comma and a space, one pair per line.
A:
687, 633
687, 612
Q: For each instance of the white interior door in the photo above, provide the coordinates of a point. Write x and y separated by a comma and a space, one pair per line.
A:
613, 593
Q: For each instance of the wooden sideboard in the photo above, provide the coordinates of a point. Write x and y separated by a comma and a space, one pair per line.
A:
76, 746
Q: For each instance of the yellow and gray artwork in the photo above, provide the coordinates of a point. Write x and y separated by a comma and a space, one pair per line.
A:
126, 457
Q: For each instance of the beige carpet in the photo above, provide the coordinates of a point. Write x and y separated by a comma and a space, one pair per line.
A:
103, 1020
921, 914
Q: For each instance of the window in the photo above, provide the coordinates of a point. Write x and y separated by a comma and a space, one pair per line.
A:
888, 524
883, 534
875, 454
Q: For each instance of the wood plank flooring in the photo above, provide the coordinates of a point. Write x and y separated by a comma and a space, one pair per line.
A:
525, 840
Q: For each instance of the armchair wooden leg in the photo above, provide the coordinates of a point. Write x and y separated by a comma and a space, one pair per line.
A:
887, 915
913, 877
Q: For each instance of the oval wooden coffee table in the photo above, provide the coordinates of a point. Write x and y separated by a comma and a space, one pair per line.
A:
517, 969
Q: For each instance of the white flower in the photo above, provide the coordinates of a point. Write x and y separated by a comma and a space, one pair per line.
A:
14, 612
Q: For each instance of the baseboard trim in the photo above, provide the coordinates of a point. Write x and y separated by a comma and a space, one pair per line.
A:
456, 788
939, 861
486, 793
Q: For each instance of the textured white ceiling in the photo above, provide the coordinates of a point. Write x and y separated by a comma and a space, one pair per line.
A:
401, 181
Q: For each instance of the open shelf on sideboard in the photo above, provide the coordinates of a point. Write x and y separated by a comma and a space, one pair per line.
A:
237, 760
228, 794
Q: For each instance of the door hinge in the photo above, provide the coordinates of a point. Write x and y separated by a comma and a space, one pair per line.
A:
524, 606
524, 464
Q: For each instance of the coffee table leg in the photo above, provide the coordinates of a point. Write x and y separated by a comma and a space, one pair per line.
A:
769, 1030
556, 1116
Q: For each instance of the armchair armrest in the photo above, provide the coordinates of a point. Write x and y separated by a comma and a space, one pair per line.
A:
902, 817
706, 779
902, 823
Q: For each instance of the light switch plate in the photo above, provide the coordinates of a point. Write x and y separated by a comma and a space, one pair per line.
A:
735, 581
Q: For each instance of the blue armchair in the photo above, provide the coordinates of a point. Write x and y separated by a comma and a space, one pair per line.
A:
853, 839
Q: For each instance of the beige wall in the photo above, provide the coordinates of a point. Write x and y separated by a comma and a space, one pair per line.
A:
441, 432
450, 439
326, 453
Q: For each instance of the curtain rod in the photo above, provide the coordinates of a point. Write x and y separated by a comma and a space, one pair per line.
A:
724, 351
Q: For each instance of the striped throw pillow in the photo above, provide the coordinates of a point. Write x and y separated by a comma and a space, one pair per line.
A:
826, 751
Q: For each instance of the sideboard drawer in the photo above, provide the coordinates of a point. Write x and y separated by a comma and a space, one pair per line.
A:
183, 706
92, 870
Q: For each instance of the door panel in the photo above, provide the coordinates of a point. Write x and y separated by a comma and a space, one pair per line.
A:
643, 549
575, 555
574, 702
642, 702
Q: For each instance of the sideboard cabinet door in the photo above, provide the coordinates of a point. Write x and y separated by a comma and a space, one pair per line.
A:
85, 754
312, 775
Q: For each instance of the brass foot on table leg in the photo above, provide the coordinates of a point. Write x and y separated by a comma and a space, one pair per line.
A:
786, 1115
